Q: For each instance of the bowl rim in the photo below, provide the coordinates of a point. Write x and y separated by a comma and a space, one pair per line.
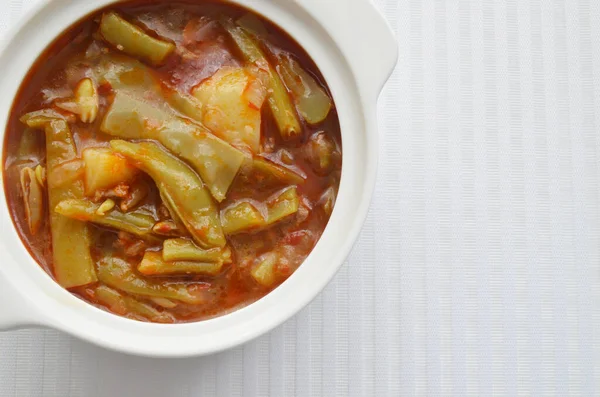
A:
49, 305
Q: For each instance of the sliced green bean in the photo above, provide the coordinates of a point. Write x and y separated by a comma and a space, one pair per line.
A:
164, 303
182, 249
126, 74
40, 175
168, 228
185, 104
327, 200
138, 223
67, 173
41, 118
245, 216
33, 199
217, 162
312, 100
276, 172
111, 299
153, 264
283, 205
123, 305
279, 100
29, 146
73, 264
252, 24
321, 151
264, 271
242, 217
118, 273
132, 40
181, 189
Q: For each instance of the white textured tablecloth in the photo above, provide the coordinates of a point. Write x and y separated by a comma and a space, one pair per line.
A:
478, 271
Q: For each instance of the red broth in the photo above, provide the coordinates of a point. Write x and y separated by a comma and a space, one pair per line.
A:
273, 211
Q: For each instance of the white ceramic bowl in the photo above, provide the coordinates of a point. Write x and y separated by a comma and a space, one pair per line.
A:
356, 51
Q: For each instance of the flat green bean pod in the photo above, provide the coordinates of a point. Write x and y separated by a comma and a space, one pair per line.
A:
118, 273
181, 189
73, 263
122, 304
279, 99
283, 205
181, 249
217, 162
132, 40
138, 223
242, 217
153, 264
33, 199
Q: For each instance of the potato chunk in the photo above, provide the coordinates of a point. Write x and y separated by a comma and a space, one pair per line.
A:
104, 169
232, 100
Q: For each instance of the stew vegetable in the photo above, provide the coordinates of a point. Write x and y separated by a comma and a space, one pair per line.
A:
171, 162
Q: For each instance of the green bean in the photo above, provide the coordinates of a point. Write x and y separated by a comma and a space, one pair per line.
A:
111, 299
124, 305
181, 188
153, 264
138, 223
264, 271
312, 100
282, 205
280, 102
252, 24
29, 146
217, 162
134, 41
33, 199
245, 216
241, 217
41, 118
164, 303
185, 250
185, 104
327, 200
126, 74
107, 206
138, 192
40, 175
321, 151
73, 264
118, 273
67, 172
167, 228
276, 172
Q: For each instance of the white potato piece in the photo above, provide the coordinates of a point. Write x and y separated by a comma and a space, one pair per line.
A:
232, 100
104, 169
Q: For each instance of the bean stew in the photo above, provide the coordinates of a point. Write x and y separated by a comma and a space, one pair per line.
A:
172, 161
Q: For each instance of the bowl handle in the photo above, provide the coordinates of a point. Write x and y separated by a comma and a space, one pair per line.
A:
366, 38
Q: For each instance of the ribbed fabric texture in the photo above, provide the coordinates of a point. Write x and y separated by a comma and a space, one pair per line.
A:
478, 271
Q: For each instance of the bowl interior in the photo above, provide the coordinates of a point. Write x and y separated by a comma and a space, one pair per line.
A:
47, 304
